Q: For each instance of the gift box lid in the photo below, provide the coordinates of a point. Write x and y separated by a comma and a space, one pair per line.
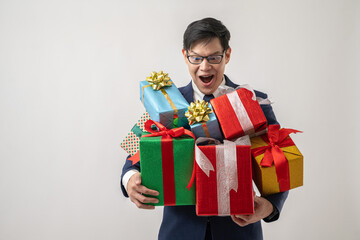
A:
157, 100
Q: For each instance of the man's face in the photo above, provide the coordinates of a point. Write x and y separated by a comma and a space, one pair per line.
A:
206, 76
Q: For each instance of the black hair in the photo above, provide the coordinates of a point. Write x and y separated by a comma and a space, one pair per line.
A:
205, 30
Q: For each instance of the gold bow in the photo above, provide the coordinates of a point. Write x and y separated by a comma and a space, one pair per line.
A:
159, 80
198, 112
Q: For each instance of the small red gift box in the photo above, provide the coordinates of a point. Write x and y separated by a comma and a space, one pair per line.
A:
223, 180
239, 113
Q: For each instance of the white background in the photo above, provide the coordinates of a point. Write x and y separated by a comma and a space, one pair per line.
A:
69, 93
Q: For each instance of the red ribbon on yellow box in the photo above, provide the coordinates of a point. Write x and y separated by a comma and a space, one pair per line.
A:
167, 154
276, 139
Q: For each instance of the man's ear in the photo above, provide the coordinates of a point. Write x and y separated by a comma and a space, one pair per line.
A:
227, 55
184, 53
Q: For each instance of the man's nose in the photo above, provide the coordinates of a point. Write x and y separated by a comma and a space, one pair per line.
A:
205, 65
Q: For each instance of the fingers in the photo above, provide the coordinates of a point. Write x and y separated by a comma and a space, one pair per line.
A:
139, 200
144, 199
245, 218
142, 206
134, 186
262, 209
239, 221
144, 190
137, 192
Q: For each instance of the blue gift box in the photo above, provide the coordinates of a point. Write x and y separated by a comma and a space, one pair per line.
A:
158, 105
212, 125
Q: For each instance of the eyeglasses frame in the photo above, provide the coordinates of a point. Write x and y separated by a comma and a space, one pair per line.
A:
205, 57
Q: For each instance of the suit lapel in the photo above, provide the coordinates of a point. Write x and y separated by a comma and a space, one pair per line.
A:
188, 92
229, 83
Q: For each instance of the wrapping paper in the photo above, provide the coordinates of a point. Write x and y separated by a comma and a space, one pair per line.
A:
210, 128
166, 161
277, 162
167, 105
239, 113
223, 179
131, 142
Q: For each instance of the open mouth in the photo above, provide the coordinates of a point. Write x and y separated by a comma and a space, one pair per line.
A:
206, 79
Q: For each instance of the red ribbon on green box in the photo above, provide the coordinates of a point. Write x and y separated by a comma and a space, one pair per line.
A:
276, 139
167, 155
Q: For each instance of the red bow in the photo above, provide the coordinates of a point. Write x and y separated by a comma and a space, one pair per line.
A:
163, 131
167, 134
276, 138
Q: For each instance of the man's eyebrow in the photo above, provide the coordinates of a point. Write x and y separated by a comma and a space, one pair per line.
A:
215, 53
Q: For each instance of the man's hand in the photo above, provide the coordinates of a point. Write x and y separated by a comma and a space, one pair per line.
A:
262, 209
135, 191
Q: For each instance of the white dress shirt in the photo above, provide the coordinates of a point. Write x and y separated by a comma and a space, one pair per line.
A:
199, 95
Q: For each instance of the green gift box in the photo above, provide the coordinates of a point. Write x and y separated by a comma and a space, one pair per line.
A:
166, 166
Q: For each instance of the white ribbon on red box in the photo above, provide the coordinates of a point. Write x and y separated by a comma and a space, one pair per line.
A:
223, 89
226, 168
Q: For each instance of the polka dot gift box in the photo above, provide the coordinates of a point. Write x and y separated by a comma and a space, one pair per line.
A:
131, 142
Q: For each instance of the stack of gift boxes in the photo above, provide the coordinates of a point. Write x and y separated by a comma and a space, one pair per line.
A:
208, 154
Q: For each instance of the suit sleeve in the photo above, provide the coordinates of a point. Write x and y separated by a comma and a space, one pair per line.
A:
128, 166
277, 199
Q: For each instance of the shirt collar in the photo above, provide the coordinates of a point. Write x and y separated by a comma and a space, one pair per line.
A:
198, 95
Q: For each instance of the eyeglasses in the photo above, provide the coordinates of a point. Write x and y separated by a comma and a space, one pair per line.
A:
213, 59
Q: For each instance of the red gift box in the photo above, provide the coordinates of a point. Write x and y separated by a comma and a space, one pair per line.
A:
239, 113
223, 180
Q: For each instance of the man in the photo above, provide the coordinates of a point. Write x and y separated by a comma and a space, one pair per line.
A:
206, 52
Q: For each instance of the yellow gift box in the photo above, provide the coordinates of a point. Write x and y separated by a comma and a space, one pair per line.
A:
266, 178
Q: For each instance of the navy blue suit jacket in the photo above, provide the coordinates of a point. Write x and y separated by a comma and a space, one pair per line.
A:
182, 223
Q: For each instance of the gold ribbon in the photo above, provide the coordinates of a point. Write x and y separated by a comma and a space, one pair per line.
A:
198, 112
159, 80
206, 130
166, 95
